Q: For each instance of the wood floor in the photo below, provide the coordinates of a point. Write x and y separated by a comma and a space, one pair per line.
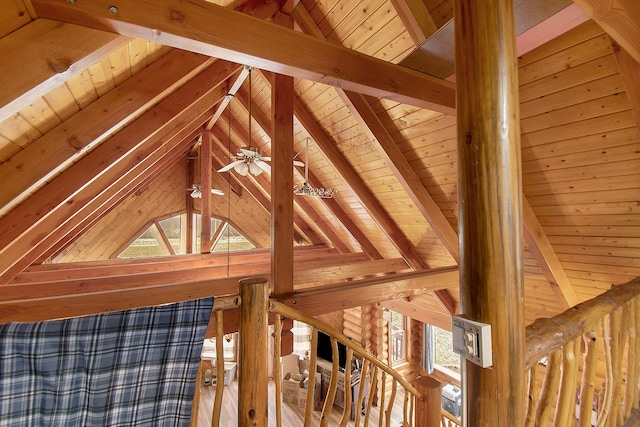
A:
292, 416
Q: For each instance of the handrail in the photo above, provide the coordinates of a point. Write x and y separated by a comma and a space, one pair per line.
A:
547, 335
588, 358
294, 314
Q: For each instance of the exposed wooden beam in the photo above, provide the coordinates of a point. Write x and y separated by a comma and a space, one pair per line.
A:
205, 187
116, 267
416, 18
131, 180
330, 298
333, 205
414, 310
130, 295
629, 70
322, 226
237, 83
282, 185
338, 267
359, 188
371, 124
43, 55
65, 144
206, 28
400, 166
61, 200
545, 255
259, 186
619, 18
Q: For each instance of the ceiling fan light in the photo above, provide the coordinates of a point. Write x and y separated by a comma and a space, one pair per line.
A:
255, 169
242, 168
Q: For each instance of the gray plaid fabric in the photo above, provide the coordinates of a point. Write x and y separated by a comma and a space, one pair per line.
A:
130, 368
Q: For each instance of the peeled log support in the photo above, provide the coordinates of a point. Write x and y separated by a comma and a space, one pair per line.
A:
490, 207
254, 329
428, 409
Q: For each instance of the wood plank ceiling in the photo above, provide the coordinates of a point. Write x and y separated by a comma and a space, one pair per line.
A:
97, 126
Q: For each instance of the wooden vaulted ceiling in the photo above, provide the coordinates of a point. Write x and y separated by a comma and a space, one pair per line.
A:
104, 105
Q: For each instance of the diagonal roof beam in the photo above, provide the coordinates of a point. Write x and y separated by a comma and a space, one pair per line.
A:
127, 190
416, 18
259, 186
412, 184
60, 202
66, 143
261, 119
362, 111
206, 28
54, 54
543, 252
619, 18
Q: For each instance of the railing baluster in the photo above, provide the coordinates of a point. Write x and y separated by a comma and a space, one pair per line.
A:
565, 412
333, 385
636, 379
363, 379
534, 395
217, 402
372, 394
405, 407
587, 385
346, 413
392, 399
308, 408
383, 386
616, 360
549, 388
603, 414
276, 364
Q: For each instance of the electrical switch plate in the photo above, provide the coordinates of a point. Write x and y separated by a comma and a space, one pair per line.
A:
472, 340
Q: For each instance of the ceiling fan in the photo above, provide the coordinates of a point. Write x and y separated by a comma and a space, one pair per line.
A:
251, 160
196, 191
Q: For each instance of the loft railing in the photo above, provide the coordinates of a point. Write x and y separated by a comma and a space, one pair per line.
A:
584, 364
420, 405
220, 304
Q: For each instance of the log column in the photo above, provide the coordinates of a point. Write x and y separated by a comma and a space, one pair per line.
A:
254, 330
490, 206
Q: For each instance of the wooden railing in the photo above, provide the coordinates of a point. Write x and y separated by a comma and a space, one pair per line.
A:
584, 364
448, 420
372, 369
420, 403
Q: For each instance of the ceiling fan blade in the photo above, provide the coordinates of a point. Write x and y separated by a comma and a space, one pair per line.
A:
230, 166
298, 163
217, 192
264, 166
265, 158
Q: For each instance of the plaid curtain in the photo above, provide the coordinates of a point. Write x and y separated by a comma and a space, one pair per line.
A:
130, 368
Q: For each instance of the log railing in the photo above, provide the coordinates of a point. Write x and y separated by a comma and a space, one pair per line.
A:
583, 365
372, 369
220, 304
420, 403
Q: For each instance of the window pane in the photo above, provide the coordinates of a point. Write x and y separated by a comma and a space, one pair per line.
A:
146, 245
232, 240
443, 350
171, 227
397, 337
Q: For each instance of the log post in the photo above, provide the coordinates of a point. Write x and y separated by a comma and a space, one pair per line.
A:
254, 330
490, 206
428, 412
